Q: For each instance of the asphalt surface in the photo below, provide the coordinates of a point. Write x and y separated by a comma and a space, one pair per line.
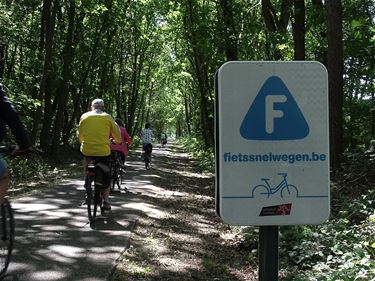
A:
54, 240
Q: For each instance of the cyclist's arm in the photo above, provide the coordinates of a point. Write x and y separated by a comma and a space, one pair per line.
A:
10, 117
79, 131
127, 138
115, 132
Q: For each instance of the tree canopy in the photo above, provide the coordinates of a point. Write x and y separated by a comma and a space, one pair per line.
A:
156, 60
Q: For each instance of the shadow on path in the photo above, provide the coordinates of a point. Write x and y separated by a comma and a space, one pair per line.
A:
54, 240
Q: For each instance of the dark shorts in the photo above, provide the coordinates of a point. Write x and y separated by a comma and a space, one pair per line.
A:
147, 147
114, 153
102, 170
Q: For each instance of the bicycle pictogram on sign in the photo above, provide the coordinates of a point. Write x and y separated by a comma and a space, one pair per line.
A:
283, 189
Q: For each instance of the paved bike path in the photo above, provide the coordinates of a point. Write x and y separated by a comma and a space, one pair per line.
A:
54, 240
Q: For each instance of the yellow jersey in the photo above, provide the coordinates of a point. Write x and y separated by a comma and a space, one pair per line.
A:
94, 130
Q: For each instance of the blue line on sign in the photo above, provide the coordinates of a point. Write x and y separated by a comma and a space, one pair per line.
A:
313, 196
238, 197
250, 197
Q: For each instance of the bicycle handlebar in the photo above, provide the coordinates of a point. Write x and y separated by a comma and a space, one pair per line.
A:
14, 151
7, 149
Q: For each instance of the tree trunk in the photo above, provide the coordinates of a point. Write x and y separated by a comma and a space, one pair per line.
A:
274, 24
299, 30
200, 66
37, 115
2, 60
68, 54
187, 112
47, 79
231, 46
135, 82
87, 68
103, 85
335, 72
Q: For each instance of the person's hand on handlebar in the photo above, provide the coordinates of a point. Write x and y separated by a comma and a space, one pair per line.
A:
20, 151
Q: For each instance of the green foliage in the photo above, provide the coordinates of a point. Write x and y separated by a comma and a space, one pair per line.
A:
37, 170
358, 30
155, 60
342, 248
23, 103
205, 157
31, 169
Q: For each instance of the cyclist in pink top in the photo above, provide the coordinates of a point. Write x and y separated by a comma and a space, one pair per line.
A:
126, 141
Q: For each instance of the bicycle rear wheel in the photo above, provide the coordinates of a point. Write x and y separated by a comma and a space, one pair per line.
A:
147, 160
116, 177
98, 202
7, 236
113, 176
90, 201
122, 175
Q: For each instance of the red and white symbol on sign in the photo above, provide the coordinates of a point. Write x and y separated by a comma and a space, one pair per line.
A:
284, 209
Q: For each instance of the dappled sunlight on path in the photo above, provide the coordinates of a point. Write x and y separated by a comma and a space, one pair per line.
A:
54, 240
178, 241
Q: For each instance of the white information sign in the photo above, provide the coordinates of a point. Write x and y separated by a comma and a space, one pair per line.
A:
272, 143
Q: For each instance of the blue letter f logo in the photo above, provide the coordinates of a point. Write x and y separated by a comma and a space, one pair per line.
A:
274, 115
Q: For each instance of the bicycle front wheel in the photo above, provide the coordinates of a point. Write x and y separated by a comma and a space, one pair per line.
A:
7, 236
122, 175
289, 191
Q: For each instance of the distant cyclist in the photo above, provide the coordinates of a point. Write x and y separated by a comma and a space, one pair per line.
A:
164, 140
9, 116
95, 128
146, 137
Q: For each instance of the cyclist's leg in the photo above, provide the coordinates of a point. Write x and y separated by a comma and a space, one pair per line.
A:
105, 196
4, 179
143, 149
149, 151
88, 193
86, 160
107, 184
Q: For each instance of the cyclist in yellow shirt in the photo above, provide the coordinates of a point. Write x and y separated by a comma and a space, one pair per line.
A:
94, 130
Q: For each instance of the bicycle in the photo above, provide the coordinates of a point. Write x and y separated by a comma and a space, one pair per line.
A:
6, 228
163, 142
266, 190
117, 170
7, 236
93, 195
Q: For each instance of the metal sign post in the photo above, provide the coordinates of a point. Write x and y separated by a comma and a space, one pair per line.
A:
268, 253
